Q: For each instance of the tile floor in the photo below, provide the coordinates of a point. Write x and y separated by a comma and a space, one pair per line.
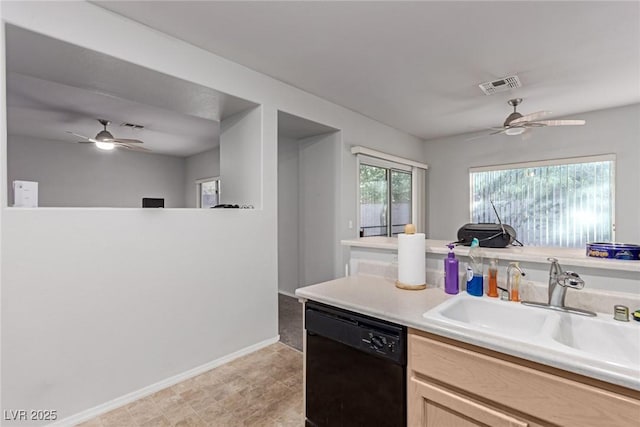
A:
263, 388
290, 321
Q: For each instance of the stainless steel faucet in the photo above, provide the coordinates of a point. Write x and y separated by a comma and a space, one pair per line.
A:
559, 282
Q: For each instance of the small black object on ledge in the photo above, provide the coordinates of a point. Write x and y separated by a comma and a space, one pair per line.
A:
226, 206
148, 202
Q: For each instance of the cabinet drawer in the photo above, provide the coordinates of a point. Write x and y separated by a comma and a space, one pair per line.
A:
485, 374
436, 406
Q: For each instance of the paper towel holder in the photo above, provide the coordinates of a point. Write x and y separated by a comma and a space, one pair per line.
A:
410, 229
406, 287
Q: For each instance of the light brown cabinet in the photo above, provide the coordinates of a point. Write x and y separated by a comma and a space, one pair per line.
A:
437, 406
459, 385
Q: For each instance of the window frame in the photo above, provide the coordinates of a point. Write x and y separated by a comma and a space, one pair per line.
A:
199, 183
553, 162
389, 166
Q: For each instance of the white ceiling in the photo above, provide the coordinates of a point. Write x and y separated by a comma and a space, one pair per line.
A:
54, 87
417, 65
46, 110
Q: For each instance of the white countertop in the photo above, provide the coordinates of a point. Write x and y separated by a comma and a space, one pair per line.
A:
378, 297
566, 256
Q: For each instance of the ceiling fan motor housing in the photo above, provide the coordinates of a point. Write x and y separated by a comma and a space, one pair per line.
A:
515, 115
512, 117
104, 135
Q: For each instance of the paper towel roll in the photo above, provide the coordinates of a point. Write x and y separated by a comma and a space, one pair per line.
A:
411, 261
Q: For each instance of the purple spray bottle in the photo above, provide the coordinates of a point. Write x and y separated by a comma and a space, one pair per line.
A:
451, 278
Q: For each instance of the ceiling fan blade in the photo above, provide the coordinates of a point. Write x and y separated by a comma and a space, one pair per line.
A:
132, 147
558, 122
85, 142
503, 130
496, 129
78, 135
530, 117
529, 125
127, 141
476, 137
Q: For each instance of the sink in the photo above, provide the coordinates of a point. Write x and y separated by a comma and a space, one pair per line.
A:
608, 340
513, 320
578, 343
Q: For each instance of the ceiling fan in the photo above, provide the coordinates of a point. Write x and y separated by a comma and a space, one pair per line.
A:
516, 123
104, 140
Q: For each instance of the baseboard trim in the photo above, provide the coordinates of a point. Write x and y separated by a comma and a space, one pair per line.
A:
289, 294
168, 382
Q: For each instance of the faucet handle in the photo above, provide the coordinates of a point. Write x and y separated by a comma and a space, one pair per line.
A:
555, 266
571, 280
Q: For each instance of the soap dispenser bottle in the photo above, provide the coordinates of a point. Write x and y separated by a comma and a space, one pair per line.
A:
451, 276
474, 270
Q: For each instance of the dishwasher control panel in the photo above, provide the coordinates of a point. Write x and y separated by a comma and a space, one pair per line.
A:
379, 342
367, 334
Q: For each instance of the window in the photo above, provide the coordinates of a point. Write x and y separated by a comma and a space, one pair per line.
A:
208, 192
385, 200
391, 192
566, 202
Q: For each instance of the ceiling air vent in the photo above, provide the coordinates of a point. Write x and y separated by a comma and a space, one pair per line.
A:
500, 85
132, 126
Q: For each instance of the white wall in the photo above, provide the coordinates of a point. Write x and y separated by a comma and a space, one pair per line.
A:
318, 207
198, 166
288, 224
176, 288
308, 208
615, 130
241, 159
101, 303
79, 175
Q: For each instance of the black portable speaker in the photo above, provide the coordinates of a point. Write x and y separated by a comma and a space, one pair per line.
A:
489, 235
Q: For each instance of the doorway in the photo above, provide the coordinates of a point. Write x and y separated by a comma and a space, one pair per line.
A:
308, 162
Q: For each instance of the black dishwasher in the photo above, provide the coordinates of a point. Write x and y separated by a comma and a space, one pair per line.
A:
355, 369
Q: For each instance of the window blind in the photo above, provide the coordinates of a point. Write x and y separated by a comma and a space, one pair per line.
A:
549, 204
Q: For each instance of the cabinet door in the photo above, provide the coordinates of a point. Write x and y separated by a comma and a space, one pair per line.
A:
550, 397
430, 405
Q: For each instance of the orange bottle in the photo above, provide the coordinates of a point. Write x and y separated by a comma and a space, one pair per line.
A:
514, 274
515, 292
493, 279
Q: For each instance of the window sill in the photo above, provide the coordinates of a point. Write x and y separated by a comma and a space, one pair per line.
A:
566, 256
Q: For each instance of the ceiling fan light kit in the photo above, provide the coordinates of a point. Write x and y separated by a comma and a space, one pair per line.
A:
514, 131
107, 146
